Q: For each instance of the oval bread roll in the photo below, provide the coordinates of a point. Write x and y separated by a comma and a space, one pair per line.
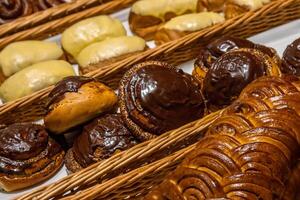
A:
34, 78
19, 55
110, 48
88, 31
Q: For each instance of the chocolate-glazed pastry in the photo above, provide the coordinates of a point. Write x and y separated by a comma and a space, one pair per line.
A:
99, 140
291, 59
233, 71
156, 97
45, 4
13, 9
75, 100
27, 156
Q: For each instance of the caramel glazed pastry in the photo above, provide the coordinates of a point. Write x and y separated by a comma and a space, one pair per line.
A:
291, 59
156, 97
225, 66
27, 156
99, 140
13, 9
76, 100
146, 16
251, 152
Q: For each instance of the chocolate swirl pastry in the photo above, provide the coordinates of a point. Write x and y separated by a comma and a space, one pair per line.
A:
251, 152
13, 9
27, 156
291, 59
99, 140
76, 100
234, 70
156, 97
45, 4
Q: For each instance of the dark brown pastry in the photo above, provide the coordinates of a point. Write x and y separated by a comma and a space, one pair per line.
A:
75, 100
251, 152
45, 4
156, 97
13, 9
291, 59
27, 156
232, 72
99, 140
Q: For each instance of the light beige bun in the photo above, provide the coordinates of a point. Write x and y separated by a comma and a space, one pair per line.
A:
75, 108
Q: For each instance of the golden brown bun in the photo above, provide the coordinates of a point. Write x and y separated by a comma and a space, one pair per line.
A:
75, 108
251, 152
164, 35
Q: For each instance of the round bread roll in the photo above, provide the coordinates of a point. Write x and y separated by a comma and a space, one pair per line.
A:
19, 55
88, 31
34, 78
76, 100
27, 156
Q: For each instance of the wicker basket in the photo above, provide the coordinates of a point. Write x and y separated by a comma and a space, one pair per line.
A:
176, 52
41, 17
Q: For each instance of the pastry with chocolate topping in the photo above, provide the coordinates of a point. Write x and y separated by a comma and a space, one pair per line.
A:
291, 59
75, 100
233, 71
156, 97
99, 140
211, 52
27, 156
45, 4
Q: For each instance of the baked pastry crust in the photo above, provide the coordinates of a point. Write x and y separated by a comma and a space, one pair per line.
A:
76, 100
291, 59
249, 153
28, 156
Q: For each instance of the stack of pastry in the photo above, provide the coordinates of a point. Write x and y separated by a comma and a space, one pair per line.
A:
13, 9
249, 153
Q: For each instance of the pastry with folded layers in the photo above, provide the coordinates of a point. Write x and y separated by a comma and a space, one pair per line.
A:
86, 32
101, 54
19, 55
76, 100
291, 59
34, 78
99, 140
180, 26
146, 16
156, 97
27, 156
235, 8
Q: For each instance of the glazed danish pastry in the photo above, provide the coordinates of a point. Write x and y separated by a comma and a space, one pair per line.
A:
291, 59
249, 153
13, 9
27, 156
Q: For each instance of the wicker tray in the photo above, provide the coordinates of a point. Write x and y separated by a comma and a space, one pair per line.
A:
177, 52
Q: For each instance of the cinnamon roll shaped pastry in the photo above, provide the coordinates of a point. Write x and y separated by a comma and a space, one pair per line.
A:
235, 8
103, 53
146, 16
291, 59
75, 100
156, 97
45, 4
180, 26
232, 72
99, 140
27, 156
251, 152
211, 52
13, 9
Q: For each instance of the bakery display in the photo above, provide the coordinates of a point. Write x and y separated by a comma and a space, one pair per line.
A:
75, 100
291, 59
182, 25
19, 55
249, 153
235, 8
99, 140
27, 156
13, 9
232, 72
107, 51
146, 16
34, 78
88, 31
156, 97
